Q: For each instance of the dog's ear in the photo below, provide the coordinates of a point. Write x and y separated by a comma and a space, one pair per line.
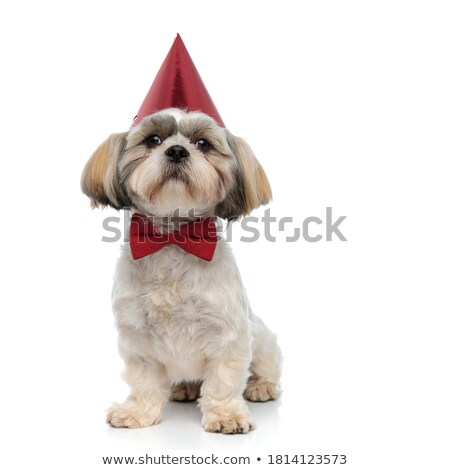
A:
251, 187
100, 181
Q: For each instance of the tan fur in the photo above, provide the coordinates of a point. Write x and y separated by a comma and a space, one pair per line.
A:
259, 389
99, 174
133, 414
186, 391
257, 187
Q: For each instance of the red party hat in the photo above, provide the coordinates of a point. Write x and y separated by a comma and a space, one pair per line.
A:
178, 85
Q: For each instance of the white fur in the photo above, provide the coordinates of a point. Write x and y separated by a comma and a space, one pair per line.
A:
183, 321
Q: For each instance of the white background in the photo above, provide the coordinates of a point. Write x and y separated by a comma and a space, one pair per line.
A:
346, 104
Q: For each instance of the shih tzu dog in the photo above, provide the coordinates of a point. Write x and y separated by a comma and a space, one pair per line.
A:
186, 330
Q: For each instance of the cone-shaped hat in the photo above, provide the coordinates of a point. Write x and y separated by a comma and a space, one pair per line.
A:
178, 85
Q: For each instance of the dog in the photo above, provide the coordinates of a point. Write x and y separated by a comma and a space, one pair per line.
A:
186, 329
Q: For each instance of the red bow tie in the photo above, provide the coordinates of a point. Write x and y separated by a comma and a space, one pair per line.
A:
198, 238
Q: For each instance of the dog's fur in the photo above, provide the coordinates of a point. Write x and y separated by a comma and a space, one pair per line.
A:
185, 326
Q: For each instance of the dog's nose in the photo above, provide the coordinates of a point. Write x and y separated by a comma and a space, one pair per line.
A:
177, 153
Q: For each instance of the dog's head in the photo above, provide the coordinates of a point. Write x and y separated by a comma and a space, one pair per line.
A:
176, 161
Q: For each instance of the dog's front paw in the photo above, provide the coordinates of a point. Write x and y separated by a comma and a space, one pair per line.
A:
234, 424
133, 414
261, 390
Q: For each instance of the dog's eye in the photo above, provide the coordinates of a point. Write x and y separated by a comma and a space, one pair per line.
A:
153, 140
203, 145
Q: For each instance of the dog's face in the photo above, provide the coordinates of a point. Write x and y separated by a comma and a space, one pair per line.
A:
177, 162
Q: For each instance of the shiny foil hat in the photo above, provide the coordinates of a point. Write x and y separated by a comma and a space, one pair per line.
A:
178, 85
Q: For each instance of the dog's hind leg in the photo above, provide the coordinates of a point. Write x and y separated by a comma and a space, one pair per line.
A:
185, 391
263, 384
